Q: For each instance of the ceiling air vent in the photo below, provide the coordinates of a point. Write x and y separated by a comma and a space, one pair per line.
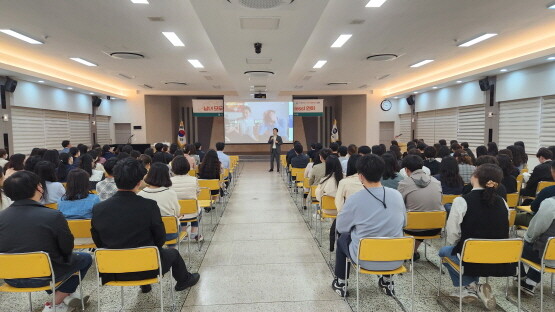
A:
261, 4
126, 76
338, 83
156, 18
382, 57
177, 83
122, 55
382, 77
147, 86
259, 73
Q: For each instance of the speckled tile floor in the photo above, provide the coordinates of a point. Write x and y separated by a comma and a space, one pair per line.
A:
263, 257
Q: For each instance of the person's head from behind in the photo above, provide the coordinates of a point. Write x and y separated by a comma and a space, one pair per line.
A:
46, 171
334, 147
352, 164
220, 146
210, 159
16, 162
149, 151
23, 185
391, 167
481, 151
173, 148
52, 156
74, 152
189, 149
106, 148
31, 162
66, 159
86, 163
442, 142
109, 166
333, 168
376, 150
370, 168
464, 145
198, 146
421, 146
486, 159
158, 147
275, 131
449, 172
544, 154
165, 148
394, 142
411, 145
3, 153
146, 161
179, 152
128, 174
158, 176
553, 169
66, 144
298, 148
342, 151
158, 157
127, 149
521, 144
77, 186
453, 142
415, 151
411, 163
364, 150
488, 177
83, 149
492, 149
396, 151
135, 154
180, 166
455, 146
429, 152
324, 154
352, 149
506, 164
507, 152
462, 157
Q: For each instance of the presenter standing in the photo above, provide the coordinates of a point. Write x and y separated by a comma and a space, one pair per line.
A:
275, 142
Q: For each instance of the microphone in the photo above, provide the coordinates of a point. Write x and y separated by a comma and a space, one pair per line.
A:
129, 140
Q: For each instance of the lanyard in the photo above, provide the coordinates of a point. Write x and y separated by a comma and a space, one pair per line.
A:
381, 201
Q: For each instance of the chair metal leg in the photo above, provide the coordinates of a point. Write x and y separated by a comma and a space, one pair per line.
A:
171, 290
53, 287
347, 264
460, 288
541, 288
518, 287
439, 282
412, 284
30, 302
552, 283
161, 295
99, 295
81, 292
122, 299
358, 294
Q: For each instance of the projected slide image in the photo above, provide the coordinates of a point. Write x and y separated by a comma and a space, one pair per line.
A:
253, 122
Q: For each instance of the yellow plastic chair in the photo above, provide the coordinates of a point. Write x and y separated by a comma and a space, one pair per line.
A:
425, 220
518, 186
64, 185
328, 203
81, 229
52, 206
548, 254
190, 206
114, 261
30, 265
448, 199
171, 224
523, 170
520, 178
544, 184
212, 185
512, 199
192, 172
313, 202
94, 192
384, 249
486, 251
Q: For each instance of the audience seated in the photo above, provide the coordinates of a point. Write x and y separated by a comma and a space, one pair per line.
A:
45, 230
343, 157
413, 151
328, 184
210, 168
541, 172
480, 214
66, 164
87, 163
107, 152
53, 190
420, 192
319, 171
188, 153
291, 153
199, 151
5, 201
513, 170
465, 147
66, 145
16, 163
107, 187
376, 211
77, 203
443, 152
391, 176
492, 149
364, 150
509, 181
430, 160
52, 156
466, 169
523, 218
186, 187
451, 181
300, 160
348, 185
224, 159
481, 151
334, 147
127, 220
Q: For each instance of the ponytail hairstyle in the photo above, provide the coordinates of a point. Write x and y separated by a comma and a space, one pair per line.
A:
489, 177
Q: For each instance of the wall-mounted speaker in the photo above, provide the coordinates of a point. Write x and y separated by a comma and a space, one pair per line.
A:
10, 85
485, 84
411, 100
96, 101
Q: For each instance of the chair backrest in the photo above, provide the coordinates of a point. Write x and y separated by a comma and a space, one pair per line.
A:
306, 182
422, 220
544, 184
25, 265
297, 172
127, 260
328, 203
523, 170
51, 206
226, 173
204, 194
386, 248
192, 173
512, 217
549, 252
448, 199
313, 190
80, 228
518, 186
519, 178
492, 251
512, 199
188, 206
170, 224
212, 184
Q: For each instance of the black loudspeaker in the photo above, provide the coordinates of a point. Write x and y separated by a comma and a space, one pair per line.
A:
10, 85
410, 100
96, 101
485, 84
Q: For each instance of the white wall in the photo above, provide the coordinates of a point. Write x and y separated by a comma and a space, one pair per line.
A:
35, 95
527, 83
130, 111
374, 114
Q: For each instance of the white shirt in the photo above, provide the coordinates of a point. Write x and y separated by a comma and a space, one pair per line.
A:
274, 145
165, 198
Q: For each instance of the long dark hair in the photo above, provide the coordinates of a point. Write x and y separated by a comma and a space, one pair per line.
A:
16, 162
64, 166
52, 156
449, 172
391, 168
506, 164
396, 151
77, 185
158, 175
443, 151
210, 164
333, 168
47, 173
492, 149
489, 177
481, 151
352, 164
85, 163
31, 162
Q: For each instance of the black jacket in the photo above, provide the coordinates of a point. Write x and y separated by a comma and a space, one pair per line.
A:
279, 141
299, 161
541, 172
127, 220
28, 226
201, 155
290, 155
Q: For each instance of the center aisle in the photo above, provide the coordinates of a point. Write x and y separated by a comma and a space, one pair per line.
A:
262, 256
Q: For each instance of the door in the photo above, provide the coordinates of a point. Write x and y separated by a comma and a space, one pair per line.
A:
387, 132
123, 133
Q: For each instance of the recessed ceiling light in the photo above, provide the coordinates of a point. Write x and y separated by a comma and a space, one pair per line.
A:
320, 64
375, 3
82, 61
40, 81
476, 40
551, 6
458, 81
341, 41
396, 97
173, 38
196, 63
424, 62
415, 92
91, 93
19, 36
434, 87
140, 1
69, 88
552, 58
503, 70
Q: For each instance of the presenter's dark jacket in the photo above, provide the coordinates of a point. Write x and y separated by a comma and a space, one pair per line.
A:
127, 220
278, 143
28, 226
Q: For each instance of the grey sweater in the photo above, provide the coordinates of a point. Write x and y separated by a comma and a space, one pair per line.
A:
364, 216
542, 226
